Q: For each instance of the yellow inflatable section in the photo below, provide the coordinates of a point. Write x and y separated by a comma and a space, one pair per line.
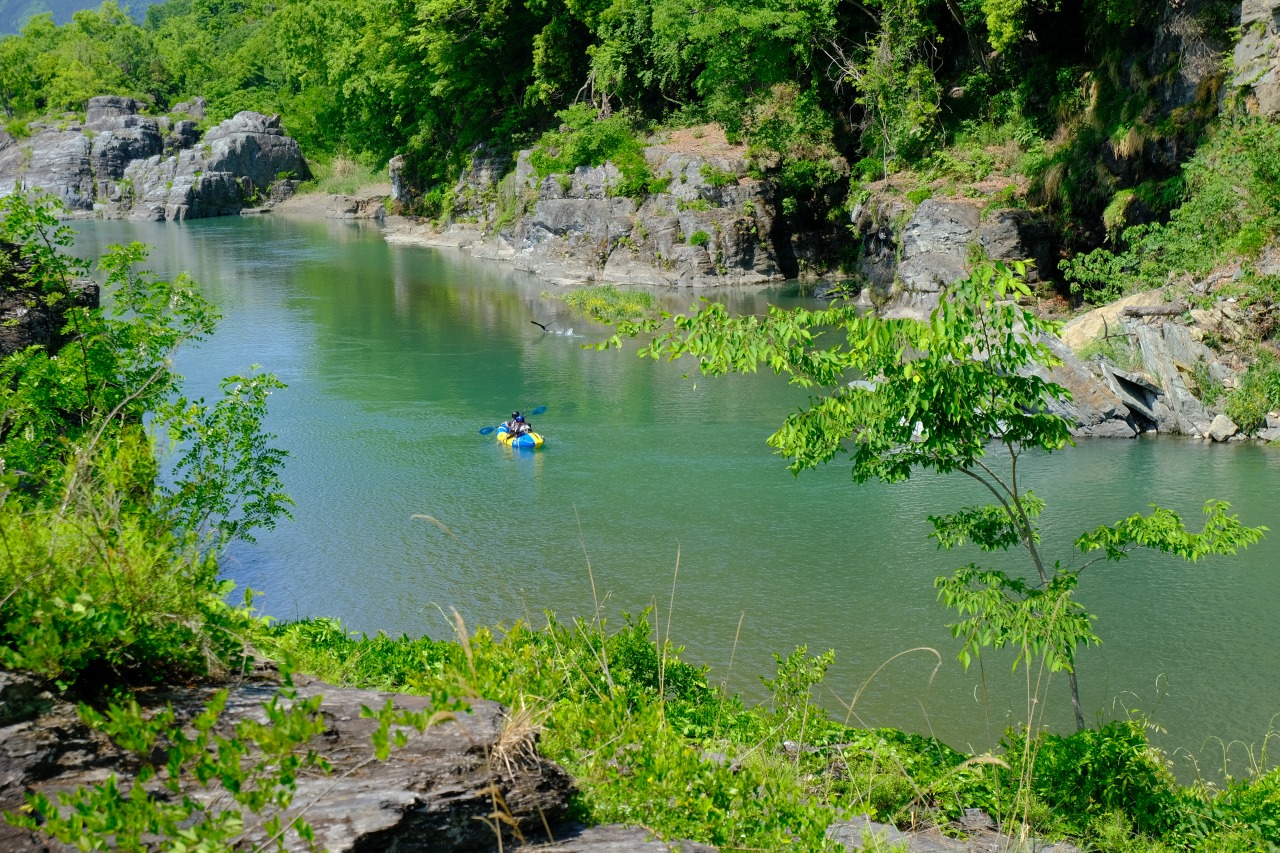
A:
528, 440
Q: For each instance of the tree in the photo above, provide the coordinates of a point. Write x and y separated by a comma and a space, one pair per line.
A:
905, 395
17, 77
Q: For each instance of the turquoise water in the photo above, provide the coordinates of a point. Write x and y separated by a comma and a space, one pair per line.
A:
660, 488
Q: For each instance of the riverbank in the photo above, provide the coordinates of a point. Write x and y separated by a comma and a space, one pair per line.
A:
515, 739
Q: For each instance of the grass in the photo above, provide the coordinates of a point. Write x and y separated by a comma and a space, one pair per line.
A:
341, 176
1119, 350
650, 741
607, 304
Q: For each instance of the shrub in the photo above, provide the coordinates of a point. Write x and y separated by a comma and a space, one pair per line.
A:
586, 140
699, 238
607, 304
918, 195
1096, 772
1257, 394
716, 177
1232, 204
107, 574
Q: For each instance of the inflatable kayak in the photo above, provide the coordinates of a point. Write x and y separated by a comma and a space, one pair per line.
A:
528, 440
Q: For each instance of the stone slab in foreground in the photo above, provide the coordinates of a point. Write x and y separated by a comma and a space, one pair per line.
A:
432, 795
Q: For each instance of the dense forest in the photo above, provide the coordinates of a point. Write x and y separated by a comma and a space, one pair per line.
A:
1094, 105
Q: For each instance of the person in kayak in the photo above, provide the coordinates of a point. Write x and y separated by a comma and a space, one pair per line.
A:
518, 426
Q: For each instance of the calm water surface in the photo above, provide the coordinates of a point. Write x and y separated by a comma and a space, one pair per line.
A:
395, 358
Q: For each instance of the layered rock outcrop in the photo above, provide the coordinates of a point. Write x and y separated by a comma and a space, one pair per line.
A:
1164, 367
452, 787
910, 254
119, 163
1256, 60
709, 224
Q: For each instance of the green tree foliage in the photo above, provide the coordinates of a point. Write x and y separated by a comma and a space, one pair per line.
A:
904, 395
896, 86
106, 570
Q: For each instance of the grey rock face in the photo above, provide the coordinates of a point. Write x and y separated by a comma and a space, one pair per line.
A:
251, 145
399, 189
102, 110
349, 207
122, 164
427, 798
1182, 413
1095, 410
906, 271
710, 226
54, 160
1186, 55
194, 108
26, 318
1257, 57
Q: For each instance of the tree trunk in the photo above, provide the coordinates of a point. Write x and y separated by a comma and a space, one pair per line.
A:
1075, 700
1172, 309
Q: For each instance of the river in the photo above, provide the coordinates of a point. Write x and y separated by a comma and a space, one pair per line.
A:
660, 488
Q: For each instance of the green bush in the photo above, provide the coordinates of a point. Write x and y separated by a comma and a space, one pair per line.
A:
699, 238
584, 139
108, 575
607, 304
1230, 209
716, 177
1257, 394
918, 195
1096, 772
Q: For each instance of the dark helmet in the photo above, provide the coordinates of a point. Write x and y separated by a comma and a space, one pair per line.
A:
516, 415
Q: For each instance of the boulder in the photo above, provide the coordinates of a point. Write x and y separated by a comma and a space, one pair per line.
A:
1081, 331
353, 207
235, 166
101, 112
123, 164
1222, 428
251, 145
194, 108
433, 794
399, 186
906, 268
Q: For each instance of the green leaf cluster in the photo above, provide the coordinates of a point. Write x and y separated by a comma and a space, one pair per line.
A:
905, 395
108, 573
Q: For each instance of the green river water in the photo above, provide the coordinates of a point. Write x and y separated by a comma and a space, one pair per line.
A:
396, 356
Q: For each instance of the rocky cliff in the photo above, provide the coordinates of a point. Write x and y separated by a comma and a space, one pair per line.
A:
118, 163
710, 224
1256, 60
